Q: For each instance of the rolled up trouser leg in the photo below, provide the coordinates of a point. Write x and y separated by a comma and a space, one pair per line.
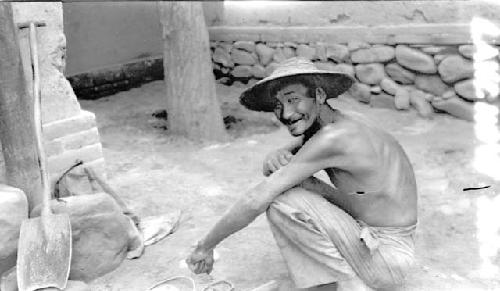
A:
322, 244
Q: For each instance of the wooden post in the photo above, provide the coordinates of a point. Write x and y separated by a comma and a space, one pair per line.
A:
192, 106
17, 132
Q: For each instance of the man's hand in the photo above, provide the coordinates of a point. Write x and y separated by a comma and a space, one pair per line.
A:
201, 261
275, 161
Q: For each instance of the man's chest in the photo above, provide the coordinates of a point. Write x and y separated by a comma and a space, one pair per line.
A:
357, 184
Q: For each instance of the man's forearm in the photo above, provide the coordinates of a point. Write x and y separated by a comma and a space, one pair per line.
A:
242, 213
294, 145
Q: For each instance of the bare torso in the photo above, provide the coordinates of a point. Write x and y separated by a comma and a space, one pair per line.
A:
374, 179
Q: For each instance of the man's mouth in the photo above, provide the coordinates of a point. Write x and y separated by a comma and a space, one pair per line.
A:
291, 122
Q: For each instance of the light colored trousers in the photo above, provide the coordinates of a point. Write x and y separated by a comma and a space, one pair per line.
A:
322, 244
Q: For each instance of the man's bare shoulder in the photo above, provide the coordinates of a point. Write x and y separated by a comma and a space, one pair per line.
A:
329, 142
338, 135
355, 132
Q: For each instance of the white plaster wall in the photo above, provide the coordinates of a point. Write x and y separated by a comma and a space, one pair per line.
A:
327, 13
103, 34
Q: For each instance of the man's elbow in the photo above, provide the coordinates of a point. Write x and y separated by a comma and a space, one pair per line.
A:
258, 200
254, 205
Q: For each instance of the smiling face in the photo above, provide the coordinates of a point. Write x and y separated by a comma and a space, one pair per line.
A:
296, 108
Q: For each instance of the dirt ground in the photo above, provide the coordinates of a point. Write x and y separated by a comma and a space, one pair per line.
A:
458, 238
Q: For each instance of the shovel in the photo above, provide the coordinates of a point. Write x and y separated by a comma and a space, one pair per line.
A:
44, 248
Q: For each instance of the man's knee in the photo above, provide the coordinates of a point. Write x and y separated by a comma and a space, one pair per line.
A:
294, 197
288, 197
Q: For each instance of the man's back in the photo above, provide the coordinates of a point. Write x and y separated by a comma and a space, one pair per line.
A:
371, 172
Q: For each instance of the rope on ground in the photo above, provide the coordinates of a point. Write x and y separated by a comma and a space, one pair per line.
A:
212, 286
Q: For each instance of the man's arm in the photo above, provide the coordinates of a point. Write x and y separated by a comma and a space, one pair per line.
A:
319, 153
295, 145
281, 157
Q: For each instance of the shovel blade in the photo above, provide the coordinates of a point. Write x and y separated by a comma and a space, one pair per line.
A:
44, 253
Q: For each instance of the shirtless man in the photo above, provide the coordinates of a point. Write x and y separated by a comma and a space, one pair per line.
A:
355, 234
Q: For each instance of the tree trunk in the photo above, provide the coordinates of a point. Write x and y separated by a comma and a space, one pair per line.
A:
192, 106
17, 131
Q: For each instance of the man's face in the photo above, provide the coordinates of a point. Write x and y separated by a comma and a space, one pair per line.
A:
295, 109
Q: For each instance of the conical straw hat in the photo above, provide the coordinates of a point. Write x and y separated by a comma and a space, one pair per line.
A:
258, 97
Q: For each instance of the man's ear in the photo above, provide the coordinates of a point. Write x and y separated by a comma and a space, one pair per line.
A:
320, 95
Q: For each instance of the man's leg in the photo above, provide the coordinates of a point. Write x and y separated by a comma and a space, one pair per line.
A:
353, 284
303, 223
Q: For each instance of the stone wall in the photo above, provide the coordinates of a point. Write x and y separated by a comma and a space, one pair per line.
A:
429, 78
70, 133
430, 55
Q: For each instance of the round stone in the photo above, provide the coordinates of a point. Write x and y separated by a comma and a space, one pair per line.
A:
389, 86
337, 52
264, 53
243, 71
402, 99
454, 68
431, 84
375, 54
360, 92
242, 57
455, 107
415, 59
400, 74
370, 74
306, 51
423, 107
248, 46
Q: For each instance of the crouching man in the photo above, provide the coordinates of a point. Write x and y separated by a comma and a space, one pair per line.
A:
352, 236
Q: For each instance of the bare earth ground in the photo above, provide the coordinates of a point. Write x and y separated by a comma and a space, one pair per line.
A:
458, 232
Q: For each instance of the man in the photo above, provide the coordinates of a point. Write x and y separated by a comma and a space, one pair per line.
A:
356, 234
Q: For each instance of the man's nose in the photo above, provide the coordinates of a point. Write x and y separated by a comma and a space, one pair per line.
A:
287, 112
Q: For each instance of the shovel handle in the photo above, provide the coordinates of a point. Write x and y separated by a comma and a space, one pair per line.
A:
38, 119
